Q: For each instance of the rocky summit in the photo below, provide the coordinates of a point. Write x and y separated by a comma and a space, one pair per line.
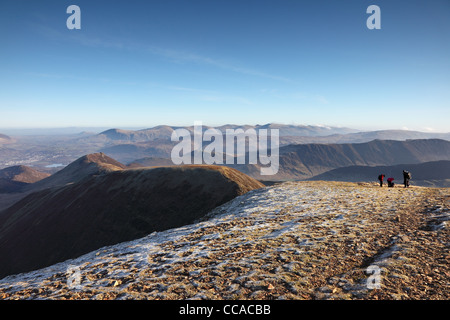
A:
294, 240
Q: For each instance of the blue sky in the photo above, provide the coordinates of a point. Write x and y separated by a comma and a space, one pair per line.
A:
145, 63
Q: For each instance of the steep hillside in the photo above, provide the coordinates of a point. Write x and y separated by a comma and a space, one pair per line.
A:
295, 240
88, 165
14, 179
84, 167
306, 161
22, 174
56, 224
435, 173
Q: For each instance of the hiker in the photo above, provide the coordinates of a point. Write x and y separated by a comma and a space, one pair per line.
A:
406, 178
380, 178
390, 182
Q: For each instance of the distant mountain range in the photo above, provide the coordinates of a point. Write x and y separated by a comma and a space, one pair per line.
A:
304, 161
94, 202
164, 132
367, 136
293, 133
128, 145
296, 162
43, 148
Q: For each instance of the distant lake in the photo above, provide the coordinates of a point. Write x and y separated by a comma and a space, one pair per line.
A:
56, 165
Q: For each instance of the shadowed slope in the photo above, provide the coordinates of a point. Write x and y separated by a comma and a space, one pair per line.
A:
13, 179
434, 173
308, 160
88, 165
53, 225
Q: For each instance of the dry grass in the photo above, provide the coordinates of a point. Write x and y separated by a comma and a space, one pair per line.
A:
296, 240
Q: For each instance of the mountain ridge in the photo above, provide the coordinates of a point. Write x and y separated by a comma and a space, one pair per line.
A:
87, 165
164, 132
58, 223
299, 133
301, 162
126, 145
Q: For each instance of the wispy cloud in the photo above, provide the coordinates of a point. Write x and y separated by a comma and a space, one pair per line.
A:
298, 96
190, 90
177, 56
226, 99
209, 95
321, 99
77, 37
66, 76
96, 42
182, 56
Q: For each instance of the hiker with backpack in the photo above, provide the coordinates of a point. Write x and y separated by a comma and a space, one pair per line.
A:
406, 178
380, 178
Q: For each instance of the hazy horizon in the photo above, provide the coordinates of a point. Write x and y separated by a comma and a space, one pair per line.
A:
70, 130
139, 64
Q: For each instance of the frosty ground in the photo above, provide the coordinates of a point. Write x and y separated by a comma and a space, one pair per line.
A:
294, 240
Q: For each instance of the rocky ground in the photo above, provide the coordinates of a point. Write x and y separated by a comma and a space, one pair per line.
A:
296, 240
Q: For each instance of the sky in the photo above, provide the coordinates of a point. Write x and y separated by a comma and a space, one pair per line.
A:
138, 64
